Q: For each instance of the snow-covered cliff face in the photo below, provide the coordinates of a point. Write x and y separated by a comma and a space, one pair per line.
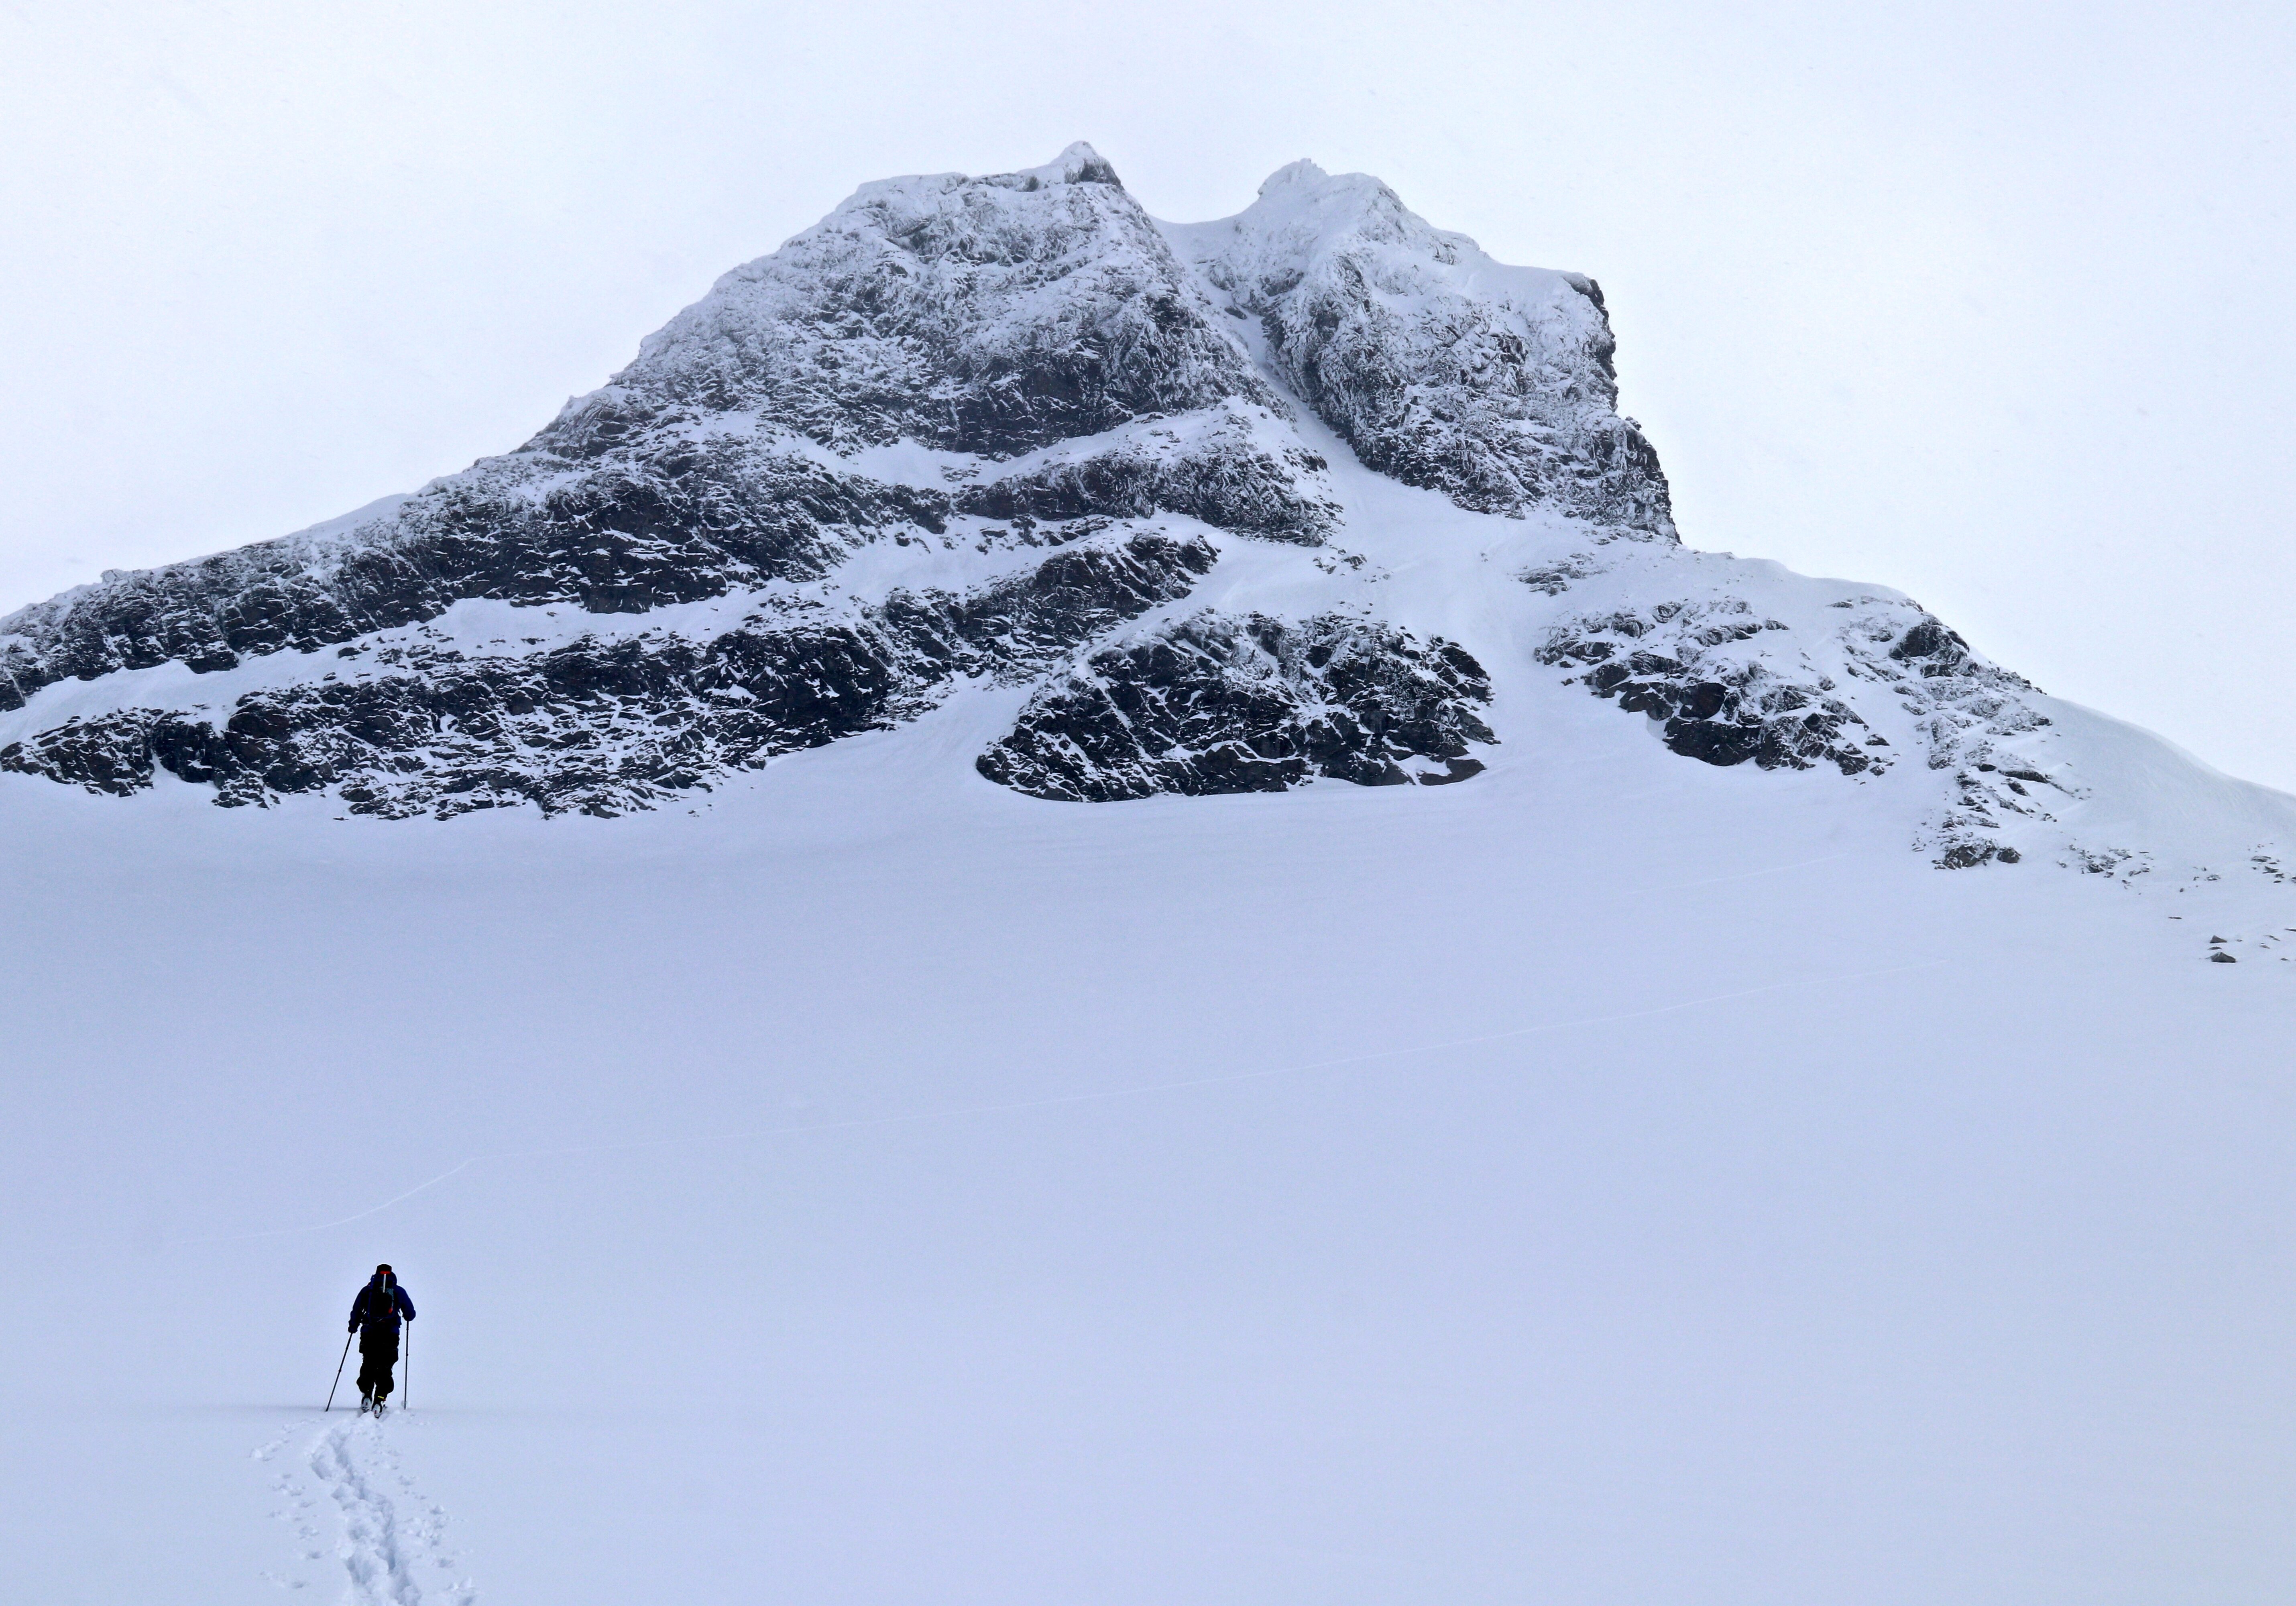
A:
1316, 491
992, 316
1435, 364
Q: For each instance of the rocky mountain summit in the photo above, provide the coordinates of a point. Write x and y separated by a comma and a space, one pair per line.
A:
1317, 491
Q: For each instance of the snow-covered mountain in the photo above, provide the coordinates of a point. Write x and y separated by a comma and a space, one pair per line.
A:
1012, 431
1170, 949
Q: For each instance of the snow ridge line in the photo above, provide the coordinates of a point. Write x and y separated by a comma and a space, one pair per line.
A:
1117, 1093
385, 1550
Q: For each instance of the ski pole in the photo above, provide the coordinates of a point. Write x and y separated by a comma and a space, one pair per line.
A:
338, 1383
407, 1395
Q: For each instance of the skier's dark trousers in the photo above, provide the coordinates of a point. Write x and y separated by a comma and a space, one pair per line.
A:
375, 1315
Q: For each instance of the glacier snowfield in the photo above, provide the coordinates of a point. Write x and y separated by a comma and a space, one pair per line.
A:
1614, 1179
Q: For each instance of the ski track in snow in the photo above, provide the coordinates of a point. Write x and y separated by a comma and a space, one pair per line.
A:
393, 1548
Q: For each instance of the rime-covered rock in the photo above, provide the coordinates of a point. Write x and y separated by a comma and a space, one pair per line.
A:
991, 316
1683, 665
1492, 384
1726, 685
1216, 703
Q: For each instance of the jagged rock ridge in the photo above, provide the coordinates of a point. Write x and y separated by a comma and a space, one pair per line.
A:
1437, 364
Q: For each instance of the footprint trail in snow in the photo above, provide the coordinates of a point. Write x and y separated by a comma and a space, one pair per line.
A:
392, 1541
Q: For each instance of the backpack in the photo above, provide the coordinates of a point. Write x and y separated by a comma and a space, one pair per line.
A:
378, 1304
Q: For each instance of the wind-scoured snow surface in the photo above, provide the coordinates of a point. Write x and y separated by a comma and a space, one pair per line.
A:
1047, 915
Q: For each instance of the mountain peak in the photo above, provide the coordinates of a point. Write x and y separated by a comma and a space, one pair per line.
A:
1301, 172
1080, 163
1437, 364
1316, 491
1338, 202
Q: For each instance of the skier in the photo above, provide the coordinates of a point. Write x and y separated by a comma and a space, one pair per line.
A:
375, 1312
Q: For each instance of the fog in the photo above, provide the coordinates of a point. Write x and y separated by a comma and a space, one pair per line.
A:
1980, 301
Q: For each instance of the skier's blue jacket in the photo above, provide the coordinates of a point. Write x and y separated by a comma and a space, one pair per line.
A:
378, 1306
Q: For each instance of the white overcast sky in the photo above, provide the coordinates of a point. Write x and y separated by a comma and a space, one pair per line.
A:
1987, 302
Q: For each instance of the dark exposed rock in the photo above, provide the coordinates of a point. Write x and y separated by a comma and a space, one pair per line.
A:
1967, 711
107, 753
1972, 851
1664, 662
626, 537
629, 535
1454, 769
1224, 477
1932, 649
1556, 578
1251, 704
604, 725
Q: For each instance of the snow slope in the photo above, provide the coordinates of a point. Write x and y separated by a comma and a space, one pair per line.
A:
1618, 1178
1620, 1175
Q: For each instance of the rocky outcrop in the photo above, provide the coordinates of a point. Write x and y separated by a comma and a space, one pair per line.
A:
602, 726
1974, 719
1437, 364
1683, 665
1728, 686
1236, 468
632, 534
1250, 704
